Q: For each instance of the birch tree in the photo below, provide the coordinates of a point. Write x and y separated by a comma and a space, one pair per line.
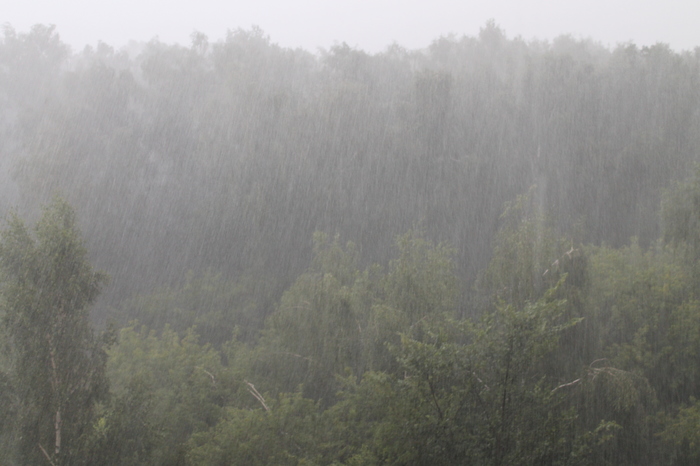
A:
58, 362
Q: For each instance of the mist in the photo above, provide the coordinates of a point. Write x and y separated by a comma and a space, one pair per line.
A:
282, 219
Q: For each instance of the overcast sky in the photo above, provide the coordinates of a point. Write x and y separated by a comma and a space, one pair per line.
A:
367, 24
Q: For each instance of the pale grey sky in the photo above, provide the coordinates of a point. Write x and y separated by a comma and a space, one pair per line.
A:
367, 24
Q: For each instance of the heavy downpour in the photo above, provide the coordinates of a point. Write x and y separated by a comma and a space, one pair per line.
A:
484, 250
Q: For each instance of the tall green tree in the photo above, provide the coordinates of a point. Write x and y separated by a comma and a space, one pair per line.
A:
166, 388
58, 363
470, 393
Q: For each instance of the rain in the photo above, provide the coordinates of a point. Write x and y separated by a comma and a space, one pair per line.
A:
239, 248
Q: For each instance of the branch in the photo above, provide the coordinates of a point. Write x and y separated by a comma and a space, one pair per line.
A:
213, 379
435, 400
418, 321
592, 372
564, 385
257, 395
48, 458
481, 381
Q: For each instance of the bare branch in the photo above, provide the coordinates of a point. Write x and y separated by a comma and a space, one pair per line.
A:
48, 458
564, 385
253, 391
481, 381
213, 379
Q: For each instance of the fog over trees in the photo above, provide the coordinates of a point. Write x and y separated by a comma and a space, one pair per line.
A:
484, 252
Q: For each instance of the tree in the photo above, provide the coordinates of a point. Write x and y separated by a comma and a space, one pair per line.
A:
58, 363
320, 326
470, 393
291, 430
336, 319
680, 212
167, 388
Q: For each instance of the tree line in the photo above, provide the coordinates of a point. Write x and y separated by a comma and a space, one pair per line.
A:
228, 156
520, 286
576, 354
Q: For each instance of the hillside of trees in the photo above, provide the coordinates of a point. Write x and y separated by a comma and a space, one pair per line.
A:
484, 252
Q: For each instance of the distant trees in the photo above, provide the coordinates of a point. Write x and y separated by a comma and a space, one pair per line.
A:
240, 149
542, 335
681, 215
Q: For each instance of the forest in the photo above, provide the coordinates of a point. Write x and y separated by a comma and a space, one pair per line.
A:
483, 252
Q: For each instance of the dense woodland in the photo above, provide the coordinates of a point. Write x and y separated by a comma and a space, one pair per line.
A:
484, 252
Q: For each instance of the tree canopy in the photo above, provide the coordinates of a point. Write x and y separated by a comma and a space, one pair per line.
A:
57, 363
483, 252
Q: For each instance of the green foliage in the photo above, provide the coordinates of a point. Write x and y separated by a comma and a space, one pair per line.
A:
9, 404
421, 280
214, 307
528, 258
225, 157
467, 394
176, 386
621, 400
336, 319
290, 432
124, 432
57, 363
317, 330
680, 211
645, 316
683, 433
420, 286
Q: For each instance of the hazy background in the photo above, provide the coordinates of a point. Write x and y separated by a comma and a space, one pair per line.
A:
522, 284
369, 25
